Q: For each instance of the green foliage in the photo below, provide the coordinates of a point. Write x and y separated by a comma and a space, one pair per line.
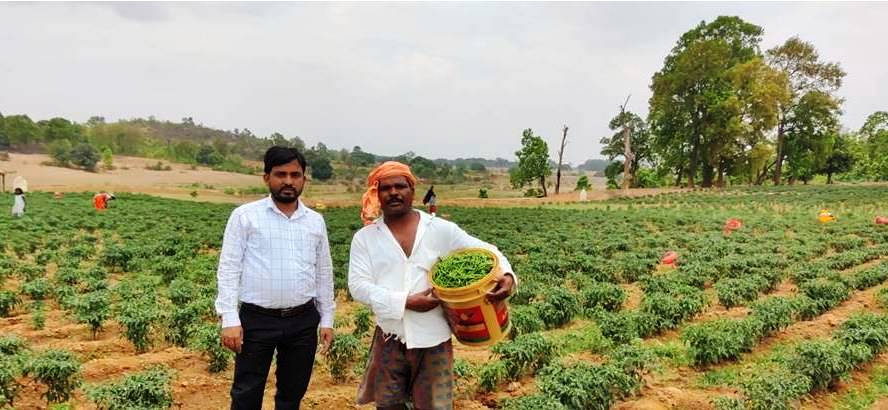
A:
525, 320
864, 329
525, 354
584, 386
85, 156
138, 318
93, 308
718, 340
38, 314
59, 370
774, 389
205, 338
8, 301
321, 169
821, 361
734, 292
603, 295
774, 313
9, 385
533, 402
583, 183
343, 353
60, 151
146, 390
560, 306
37, 288
363, 321
533, 162
482, 193
11, 345
107, 159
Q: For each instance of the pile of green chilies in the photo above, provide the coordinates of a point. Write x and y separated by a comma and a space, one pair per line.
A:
462, 269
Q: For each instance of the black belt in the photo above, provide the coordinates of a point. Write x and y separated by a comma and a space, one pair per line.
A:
285, 312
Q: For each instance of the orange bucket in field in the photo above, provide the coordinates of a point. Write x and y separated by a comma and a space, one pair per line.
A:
882, 220
472, 318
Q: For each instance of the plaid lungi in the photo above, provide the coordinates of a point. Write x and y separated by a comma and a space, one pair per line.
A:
398, 375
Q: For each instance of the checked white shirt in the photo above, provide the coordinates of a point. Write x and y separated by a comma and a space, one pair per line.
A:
273, 261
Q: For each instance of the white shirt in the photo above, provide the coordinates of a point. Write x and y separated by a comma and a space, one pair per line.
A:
382, 276
274, 261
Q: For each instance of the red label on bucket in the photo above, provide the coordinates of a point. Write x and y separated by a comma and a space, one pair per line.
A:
468, 323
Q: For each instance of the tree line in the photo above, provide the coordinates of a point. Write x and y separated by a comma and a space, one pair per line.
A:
724, 112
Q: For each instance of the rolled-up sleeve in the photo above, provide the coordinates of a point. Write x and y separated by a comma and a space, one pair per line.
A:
231, 265
326, 303
386, 304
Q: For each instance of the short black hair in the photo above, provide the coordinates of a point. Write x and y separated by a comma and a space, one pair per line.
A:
277, 156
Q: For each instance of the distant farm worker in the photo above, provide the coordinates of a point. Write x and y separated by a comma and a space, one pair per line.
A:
275, 263
18, 203
100, 200
411, 356
431, 199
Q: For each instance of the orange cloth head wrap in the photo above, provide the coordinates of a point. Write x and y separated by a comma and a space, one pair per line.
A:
370, 201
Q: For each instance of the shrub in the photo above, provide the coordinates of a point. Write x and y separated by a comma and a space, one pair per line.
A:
146, 390
559, 308
343, 353
9, 386
735, 292
774, 313
363, 321
773, 389
533, 402
205, 338
37, 288
525, 354
821, 361
59, 370
603, 295
8, 301
722, 339
93, 308
138, 318
525, 319
583, 386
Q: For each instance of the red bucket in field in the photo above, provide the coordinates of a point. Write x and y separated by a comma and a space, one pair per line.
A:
882, 220
732, 225
669, 258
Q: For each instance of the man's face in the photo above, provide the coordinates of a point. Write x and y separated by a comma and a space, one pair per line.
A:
395, 196
285, 182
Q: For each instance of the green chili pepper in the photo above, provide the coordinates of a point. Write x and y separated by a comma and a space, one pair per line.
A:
462, 269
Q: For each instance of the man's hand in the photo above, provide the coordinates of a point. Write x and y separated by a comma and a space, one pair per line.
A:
326, 339
233, 338
423, 301
503, 289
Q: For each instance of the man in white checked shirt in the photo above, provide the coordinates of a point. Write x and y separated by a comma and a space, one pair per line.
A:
275, 262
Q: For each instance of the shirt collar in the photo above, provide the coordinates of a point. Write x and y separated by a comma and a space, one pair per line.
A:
300, 210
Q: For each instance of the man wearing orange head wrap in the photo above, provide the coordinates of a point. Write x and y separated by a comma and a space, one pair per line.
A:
411, 358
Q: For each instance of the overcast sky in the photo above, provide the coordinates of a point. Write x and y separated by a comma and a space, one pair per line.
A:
440, 79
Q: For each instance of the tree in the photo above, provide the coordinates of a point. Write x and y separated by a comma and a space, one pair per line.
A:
208, 155
875, 134
361, 158
800, 62
560, 157
691, 111
321, 169
423, 167
583, 183
639, 139
60, 128
840, 160
20, 130
533, 162
812, 125
85, 156
60, 152
107, 158
4, 138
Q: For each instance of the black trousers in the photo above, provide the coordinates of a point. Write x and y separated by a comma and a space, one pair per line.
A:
295, 339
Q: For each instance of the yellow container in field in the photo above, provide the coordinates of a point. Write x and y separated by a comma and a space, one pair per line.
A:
825, 216
472, 318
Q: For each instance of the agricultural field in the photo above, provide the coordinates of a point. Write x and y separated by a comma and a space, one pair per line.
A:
115, 310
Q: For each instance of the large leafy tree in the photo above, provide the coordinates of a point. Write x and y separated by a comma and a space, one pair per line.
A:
20, 129
840, 159
807, 74
533, 162
692, 112
812, 126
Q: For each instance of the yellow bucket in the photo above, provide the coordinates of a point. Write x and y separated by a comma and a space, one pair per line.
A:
825, 216
472, 318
